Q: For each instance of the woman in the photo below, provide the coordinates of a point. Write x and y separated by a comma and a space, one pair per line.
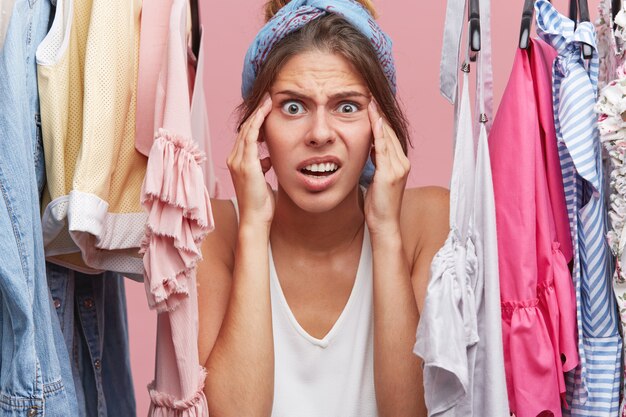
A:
323, 323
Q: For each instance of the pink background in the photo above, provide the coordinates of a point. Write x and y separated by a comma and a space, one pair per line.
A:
416, 28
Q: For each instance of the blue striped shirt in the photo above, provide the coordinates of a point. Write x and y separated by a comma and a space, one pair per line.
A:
593, 387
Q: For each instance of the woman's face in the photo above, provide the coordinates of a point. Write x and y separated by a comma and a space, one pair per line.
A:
318, 132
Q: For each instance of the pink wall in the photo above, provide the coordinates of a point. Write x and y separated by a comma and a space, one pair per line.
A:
416, 28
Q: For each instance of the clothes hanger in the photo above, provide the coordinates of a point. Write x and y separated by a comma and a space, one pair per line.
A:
580, 9
616, 6
575, 6
573, 10
195, 27
474, 28
527, 20
583, 13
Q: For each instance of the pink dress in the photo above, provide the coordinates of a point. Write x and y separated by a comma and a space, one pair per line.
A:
153, 45
179, 218
534, 243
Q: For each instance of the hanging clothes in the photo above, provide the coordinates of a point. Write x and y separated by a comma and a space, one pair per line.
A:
200, 122
173, 191
180, 216
539, 324
594, 385
92, 313
610, 107
155, 16
490, 397
447, 330
611, 58
35, 374
609, 44
459, 335
6, 10
93, 218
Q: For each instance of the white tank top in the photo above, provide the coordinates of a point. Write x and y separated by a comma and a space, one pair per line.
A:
333, 376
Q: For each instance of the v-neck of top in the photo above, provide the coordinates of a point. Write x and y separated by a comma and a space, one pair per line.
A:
354, 294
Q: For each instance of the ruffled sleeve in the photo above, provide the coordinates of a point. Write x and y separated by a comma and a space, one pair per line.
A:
162, 404
179, 218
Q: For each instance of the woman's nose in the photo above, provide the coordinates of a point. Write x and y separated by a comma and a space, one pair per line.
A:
321, 131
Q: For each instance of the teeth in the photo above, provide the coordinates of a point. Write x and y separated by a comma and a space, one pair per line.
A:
327, 167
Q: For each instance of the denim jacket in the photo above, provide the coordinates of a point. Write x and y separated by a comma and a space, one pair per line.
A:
35, 376
92, 313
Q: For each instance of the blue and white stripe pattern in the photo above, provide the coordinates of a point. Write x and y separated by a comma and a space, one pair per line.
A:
593, 387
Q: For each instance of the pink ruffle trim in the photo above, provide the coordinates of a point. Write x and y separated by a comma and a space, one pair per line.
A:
166, 405
540, 341
179, 217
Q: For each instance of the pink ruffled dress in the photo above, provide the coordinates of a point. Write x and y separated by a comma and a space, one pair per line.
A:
179, 217
534, 243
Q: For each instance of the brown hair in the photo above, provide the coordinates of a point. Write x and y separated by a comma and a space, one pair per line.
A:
330, 33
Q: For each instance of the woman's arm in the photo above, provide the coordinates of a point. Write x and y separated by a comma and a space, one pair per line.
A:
397, 370
424, 224
397, 373
406, 229
240, 366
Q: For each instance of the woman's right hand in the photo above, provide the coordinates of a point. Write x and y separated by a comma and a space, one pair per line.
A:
254, 195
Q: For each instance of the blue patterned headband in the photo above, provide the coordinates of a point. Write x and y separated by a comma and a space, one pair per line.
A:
297, 13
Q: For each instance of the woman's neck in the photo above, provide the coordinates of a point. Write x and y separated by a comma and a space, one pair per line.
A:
318, 232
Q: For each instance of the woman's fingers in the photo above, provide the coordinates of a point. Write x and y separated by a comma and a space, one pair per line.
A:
257, 119
251, 148
393, 142
388, 149
377, 129
245, 144
252, 135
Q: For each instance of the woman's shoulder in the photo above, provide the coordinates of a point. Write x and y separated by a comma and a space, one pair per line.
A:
425, 227
430, 196
425, 217
425, 206
221, 241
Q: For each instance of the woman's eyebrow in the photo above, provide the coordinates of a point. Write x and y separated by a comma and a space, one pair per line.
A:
349, 94
340, 95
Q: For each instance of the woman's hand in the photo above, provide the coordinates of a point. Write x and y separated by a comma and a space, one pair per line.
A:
383, 201
254, 195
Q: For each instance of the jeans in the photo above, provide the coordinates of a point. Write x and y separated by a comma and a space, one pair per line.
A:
35, 373
92, 313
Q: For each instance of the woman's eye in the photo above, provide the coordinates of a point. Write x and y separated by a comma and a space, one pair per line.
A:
348, 108
293, 107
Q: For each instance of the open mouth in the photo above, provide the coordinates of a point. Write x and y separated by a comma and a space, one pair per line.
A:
320, 170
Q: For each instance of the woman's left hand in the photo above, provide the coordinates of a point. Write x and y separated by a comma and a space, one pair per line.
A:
383, 201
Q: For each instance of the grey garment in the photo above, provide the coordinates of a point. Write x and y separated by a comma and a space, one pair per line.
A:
459, 335
35, 376
92, 313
